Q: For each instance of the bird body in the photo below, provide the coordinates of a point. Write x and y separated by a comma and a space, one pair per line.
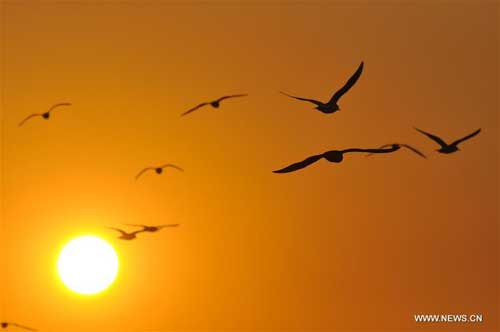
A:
45, 115
158, 169
332, 105
333, 156
214, 103
445, 147
126, 236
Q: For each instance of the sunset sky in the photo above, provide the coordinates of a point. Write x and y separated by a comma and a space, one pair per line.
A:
364, 244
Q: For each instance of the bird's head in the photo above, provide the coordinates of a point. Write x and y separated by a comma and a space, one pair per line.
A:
46, 115
4, 325
159, 170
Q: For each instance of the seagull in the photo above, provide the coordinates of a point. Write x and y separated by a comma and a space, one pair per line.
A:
158, 169
333, 156
445, 147
332, 106
45, 115
214, 103
125, 235
146, 228
404, 146
5, 325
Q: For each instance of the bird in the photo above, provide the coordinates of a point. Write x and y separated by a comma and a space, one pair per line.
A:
214, 103
45, 115
332, 105
334, 156
445, 147
152, 229
158, 169
409, 147
125, 235
5, 325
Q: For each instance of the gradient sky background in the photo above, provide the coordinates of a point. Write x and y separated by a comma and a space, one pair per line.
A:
365, 244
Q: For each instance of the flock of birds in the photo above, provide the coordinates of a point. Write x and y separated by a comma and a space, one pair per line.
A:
334, 156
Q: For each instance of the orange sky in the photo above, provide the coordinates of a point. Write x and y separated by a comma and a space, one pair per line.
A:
365, 244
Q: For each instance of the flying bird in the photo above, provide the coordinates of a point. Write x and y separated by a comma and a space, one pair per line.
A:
333, 156
45, 115
146, 228
332, 105
445, 147
409, 147
125, 235
214, 103
158, 169
5, 325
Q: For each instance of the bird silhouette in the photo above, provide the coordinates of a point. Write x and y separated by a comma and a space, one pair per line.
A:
158, 169
332, 105
152, 229
445, 147
125, 235
5, 325
214, 103
334, 156
45, 115
409, 147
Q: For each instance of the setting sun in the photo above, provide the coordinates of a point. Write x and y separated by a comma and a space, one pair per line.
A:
87, 265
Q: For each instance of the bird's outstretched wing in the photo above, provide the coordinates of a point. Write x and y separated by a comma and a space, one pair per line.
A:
432, 137
301, 164
143, 171
231, 96
22, 326
409, 147
119, 230
194, 109
136, 225
348, 85
58, 105
458, 141
172, 166
29, 117
404, 145
393, 147
168, 225
315, 102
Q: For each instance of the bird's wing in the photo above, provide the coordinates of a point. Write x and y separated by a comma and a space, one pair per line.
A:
22, 326
135, 225
350, 82
144, 170
414, 150
315, 102
29, 117
301, 164
432, 137
136, 232
381, 147
194, 109
394, 147
458, 141
172, 166
57, 105
231, 96
168, 225
119, 230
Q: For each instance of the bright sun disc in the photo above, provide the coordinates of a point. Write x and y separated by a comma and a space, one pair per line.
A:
87, 265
